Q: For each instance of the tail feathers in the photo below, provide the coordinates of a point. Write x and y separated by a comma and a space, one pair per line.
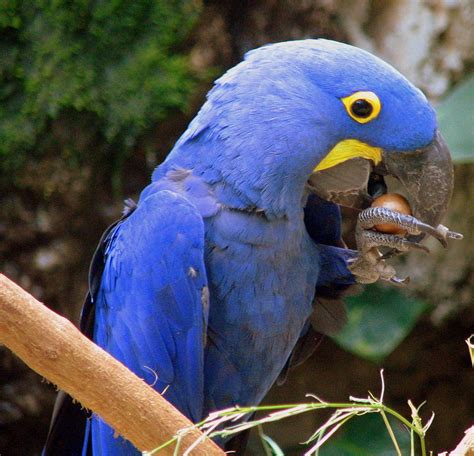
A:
67, 433
329, 316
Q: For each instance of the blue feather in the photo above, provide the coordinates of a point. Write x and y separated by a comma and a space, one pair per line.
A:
149, 310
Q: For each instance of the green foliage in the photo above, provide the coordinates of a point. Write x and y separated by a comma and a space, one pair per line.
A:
117, 60
378, 320
456, 121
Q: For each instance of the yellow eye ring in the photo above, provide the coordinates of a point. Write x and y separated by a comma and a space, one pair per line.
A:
362, 106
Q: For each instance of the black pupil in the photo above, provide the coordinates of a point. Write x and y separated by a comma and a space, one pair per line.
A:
361, 108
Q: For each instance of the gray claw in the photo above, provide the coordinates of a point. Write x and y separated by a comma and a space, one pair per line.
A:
390, 254
367, 240
368, 269
444, 233
399, 281
372, 216
428, 229
370, 265
454, 235
415, 245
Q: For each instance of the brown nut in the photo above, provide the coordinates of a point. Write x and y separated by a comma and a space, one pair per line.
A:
395, 202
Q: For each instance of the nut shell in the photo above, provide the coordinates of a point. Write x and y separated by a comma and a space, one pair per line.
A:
395, 202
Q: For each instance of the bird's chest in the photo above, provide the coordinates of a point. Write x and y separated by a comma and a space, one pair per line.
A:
262, 277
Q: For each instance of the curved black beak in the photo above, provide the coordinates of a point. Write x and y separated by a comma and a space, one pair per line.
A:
427, 175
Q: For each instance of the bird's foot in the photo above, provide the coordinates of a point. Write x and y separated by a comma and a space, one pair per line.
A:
370, 265
372, 216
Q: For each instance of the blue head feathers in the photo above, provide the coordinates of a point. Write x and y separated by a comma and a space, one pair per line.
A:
272, 118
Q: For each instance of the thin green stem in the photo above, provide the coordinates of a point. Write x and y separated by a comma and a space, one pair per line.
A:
423, 446
402, 419
391, 433
414, 428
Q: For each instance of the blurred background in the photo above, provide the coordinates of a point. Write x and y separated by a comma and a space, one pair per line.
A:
93, 96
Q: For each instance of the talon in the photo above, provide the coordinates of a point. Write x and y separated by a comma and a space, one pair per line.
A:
435, 232
415, 245
443, 242
373, 216
367, 240
370, 265
454, 235
390, 254
398, 281
442, 234
445, 233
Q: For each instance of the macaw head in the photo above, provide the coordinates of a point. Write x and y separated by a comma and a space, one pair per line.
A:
386, 127
317, 115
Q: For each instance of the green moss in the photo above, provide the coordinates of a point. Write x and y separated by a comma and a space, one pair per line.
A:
117, 60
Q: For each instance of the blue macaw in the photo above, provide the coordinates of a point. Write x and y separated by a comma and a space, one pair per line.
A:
223, 275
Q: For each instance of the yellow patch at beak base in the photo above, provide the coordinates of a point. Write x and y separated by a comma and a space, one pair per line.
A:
347, 149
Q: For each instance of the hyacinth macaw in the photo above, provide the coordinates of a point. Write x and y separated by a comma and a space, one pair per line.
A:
207, 288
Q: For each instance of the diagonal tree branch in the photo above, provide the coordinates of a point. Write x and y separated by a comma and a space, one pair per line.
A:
53, 347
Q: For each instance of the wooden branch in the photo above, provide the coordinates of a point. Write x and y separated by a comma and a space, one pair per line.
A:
53, 347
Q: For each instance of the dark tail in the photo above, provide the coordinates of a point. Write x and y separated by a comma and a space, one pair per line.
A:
68, 428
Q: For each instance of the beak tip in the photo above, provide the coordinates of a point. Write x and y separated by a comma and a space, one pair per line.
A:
427, 175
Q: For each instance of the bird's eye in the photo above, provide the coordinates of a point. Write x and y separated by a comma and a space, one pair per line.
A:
362, 106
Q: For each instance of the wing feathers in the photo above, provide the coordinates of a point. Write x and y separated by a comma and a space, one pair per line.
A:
149, 311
